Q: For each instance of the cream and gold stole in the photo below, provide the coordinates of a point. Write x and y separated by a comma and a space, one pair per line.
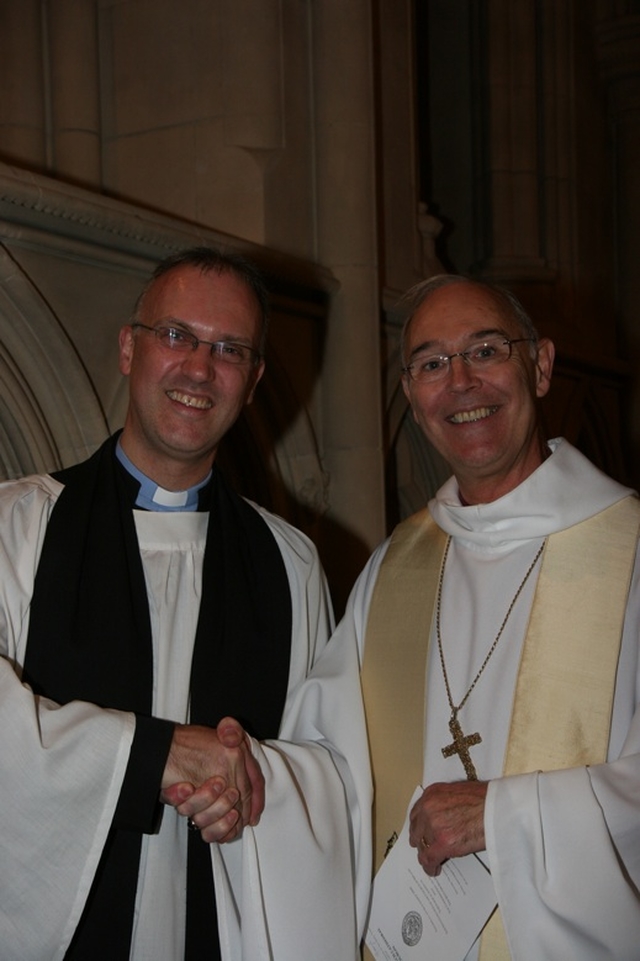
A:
564, 692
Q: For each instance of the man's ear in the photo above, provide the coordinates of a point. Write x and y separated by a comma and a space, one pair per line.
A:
406, 386
125, 343
405, 380
544, 366
257, 376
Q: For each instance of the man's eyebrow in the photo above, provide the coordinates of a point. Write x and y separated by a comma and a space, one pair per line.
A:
172, 322
438, 346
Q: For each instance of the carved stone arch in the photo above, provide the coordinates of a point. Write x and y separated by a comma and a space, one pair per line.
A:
25, 440
49, 411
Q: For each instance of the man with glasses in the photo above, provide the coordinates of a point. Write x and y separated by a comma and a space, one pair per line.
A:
498, 631
154, 625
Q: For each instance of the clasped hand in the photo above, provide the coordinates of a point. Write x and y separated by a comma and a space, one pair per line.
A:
212, 778
447, 821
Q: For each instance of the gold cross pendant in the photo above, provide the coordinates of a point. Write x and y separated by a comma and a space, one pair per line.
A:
460, 746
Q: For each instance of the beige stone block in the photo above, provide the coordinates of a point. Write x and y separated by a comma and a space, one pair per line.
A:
21, 82
229, 184
289, 198
73, 64
190, 173
289, 175
342, 59
351, 369
163, 63
77, 156
75, 99
253, 73
155, 169
346, 193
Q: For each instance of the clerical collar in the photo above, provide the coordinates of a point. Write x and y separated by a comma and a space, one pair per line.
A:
151, 497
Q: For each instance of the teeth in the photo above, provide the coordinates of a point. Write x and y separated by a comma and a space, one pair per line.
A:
469, 416
202, 403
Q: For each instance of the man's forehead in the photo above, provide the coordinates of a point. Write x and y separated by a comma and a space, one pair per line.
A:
190, 295
459, 313
184, 279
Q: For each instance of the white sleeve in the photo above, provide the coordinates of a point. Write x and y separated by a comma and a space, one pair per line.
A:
60, 767
564, 846
562, 889
616, 787
298, 885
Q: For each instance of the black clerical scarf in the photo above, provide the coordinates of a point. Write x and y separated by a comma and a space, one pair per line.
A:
90, 639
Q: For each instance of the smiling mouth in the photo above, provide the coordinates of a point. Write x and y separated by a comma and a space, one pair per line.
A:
200, 403
471, 416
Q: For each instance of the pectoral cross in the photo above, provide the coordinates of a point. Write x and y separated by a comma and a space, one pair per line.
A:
461, 745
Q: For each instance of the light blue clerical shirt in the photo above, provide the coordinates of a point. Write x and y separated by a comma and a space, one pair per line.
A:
152, 497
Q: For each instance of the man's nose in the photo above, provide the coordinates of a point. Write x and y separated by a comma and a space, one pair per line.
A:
200, 363
461, 373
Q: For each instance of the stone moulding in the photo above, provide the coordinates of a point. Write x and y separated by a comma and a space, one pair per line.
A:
57, 208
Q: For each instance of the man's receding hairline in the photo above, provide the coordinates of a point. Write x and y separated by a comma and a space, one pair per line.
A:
506, 303
207, 260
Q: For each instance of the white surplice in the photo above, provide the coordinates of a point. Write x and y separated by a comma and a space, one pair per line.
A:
563, 847
285, 891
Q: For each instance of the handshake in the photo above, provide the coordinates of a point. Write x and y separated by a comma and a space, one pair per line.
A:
212, 778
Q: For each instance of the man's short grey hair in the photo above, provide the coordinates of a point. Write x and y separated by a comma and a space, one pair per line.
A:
506, 302
206, 259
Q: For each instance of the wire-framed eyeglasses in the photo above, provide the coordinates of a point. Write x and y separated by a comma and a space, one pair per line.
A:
179, 340
427, 368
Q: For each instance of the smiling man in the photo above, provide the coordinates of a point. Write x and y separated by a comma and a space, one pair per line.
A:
184, 399
477, 410
144, 607
499, 634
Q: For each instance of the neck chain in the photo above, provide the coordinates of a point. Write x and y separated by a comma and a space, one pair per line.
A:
462, 743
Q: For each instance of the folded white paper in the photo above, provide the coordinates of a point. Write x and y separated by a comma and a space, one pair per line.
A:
418, 918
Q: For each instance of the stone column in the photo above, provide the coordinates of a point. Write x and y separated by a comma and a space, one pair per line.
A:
253, 74
22, 105
346, 243
74, 94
